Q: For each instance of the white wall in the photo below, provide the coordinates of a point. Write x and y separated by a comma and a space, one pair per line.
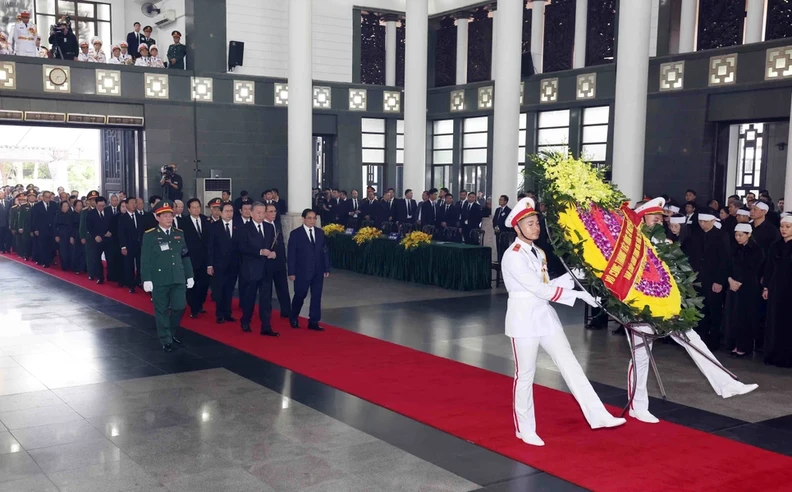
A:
163, 37
262, 26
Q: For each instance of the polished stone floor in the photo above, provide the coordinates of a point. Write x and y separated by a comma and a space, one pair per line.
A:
88, 401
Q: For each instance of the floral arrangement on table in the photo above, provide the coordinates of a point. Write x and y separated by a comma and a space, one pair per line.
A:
415, 240
594, 231
366, 234
331, 230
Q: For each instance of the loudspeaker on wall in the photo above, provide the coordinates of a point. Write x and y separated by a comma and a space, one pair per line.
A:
236, 54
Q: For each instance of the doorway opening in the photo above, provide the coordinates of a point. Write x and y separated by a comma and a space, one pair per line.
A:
757, 158
324, 147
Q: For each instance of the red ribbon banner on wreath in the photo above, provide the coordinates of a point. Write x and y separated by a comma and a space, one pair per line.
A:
627, 260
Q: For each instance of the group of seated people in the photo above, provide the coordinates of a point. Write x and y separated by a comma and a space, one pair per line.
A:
438, 213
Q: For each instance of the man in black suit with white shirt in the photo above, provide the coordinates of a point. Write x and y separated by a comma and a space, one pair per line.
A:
407, 209
256, 270
130, 233
222, 262
196, 230
309, 265
503, 211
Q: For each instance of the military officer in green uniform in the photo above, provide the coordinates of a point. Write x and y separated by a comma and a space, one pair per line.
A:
13, 222
167, 273
85, 239
176, 52
24, 226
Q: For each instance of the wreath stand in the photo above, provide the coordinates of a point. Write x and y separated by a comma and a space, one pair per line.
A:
647, 335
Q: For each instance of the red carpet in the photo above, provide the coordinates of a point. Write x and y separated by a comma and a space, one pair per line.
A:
475, 405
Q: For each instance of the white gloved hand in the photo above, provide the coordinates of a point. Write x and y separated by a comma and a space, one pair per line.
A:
148, 286
190, 283
587, 298
565, 281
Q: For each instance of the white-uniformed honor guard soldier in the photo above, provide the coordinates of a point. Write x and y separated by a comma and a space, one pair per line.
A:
531, 322
24, 37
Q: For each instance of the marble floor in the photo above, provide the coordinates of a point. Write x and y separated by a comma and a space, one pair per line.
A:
88, 401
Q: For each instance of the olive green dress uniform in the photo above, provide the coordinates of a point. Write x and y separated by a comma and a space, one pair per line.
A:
163, 264
13, 224
82, 233
25, 241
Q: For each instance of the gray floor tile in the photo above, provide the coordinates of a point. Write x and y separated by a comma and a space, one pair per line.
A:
368, 458
36, 483
109, 405
44, 436
13, 373
182, 461
17, 466
420, 476
96, 391
126, 428
17, 386
8, 443
325, 437
236, 479
152, 383
76, 455
31, 417
8, 361
247, 446
123, 475
297, 474
27, 400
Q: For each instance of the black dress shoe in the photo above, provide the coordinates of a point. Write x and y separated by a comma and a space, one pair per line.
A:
219, 321
99, 282
246, 327
90, 278
284, 316
202, 311
193, 315
230, 319
294, 323
167, 347
176, 340
269, 333
315, 328
132, 290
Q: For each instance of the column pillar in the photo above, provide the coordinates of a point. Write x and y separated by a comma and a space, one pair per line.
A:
754, 21
493, 14
462, 50
537, 34
415, 95
688, 26
788, 179
581, 27
391, 23
632, 76
300, 111
505, 138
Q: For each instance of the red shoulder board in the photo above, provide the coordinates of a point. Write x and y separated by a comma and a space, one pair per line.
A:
516, 247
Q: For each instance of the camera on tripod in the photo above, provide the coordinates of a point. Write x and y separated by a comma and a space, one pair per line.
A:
167, 171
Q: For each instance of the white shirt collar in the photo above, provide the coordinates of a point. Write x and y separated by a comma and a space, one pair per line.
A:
307, 229
226, 222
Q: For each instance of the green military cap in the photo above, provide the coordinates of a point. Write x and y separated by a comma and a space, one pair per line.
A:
31, 192
215, 202
176, 33
93, 194
163, 207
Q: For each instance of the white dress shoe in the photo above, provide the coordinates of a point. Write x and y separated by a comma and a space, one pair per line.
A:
739, 389
610, 422
531, 439
644, 416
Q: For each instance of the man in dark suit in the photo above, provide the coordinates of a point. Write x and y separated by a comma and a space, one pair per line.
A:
448, 218
503, 211
241, 200
134, 40
5, 232
196, 229
222, 262
278, 264
470, 217
407, 209
309, 265
42, 218
115, 262
98, 224
352, 209
388, 206
130, 234
429, 209
255, 273
280, 205
370, 208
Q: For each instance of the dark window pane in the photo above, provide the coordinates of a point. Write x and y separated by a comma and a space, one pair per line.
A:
720, 23
479, 47
601, 32
559, 36
445, 53
372, 49
779, 19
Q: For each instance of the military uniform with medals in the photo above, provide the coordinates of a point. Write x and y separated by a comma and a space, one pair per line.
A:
166, 265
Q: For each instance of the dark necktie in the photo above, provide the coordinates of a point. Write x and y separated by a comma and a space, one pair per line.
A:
198, 226
260, 231
355, 203
310, 233
101, 215
533, 250
446, 210
228, 231
167, 233
134, 220
408, 208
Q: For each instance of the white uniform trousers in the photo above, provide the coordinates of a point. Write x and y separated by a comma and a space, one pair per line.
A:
723, 384
557, 346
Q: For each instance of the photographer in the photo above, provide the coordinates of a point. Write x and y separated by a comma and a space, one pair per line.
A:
171, 183
63, 41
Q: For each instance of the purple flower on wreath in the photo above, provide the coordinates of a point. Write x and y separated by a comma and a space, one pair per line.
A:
655, 288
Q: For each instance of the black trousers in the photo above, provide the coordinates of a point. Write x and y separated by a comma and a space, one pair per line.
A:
249, 291
93, 256
223, 283
197, 295
78, 257
5, 239
65, 252
115, 262
301, 288
131, 267
710, 327
281, 282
